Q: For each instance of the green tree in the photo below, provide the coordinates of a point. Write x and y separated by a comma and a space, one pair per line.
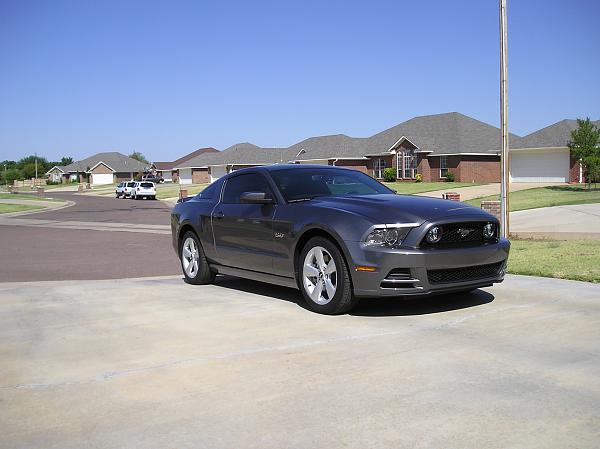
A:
139, 157
28, 170
66, 160
9, 165
11, 175
585, 146
42, 164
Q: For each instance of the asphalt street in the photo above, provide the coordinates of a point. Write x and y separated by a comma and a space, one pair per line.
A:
96, 238
157, 363
108, 209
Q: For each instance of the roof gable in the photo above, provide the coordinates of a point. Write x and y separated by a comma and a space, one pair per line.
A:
555, 135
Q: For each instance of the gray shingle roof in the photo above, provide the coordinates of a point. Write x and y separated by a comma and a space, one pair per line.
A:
447, 133
241, 153
556, 135
117, 161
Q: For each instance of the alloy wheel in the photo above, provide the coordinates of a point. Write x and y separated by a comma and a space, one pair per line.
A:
319, 275
190, 257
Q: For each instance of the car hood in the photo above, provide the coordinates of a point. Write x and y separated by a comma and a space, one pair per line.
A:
390, 208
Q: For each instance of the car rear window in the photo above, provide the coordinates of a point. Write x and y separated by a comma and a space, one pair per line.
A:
147, 185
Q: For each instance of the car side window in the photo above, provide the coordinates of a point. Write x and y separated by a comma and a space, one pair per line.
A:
251, 182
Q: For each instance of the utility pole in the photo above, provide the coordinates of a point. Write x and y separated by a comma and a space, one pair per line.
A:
35, 181
5, 180
505, 157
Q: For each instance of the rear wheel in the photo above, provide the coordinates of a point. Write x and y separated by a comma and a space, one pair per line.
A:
193, 261
324, 279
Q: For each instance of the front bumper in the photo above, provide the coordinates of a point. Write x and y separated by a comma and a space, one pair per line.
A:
460, 268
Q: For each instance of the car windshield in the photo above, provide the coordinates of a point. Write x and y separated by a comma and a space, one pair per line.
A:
130, 184
147, 185
303, 184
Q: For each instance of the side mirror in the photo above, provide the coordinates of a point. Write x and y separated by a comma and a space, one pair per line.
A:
255, 198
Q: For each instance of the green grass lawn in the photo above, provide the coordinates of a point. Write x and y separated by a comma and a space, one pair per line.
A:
546, 197
578, 259
7, 208
22, 196
164, 191
409, 188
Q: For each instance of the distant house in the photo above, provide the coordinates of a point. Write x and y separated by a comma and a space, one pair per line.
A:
543, 156
55, 174
167, 169
102, 168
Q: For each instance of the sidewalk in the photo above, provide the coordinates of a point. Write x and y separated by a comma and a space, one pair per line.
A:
469, 193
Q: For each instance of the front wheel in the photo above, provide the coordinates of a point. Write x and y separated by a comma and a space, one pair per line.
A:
324, 279
193, 261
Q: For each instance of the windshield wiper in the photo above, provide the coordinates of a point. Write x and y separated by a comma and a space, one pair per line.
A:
297, 200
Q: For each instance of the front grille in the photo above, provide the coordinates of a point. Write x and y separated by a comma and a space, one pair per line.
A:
460, 234
464, 274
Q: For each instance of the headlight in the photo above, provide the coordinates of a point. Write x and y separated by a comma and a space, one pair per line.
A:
434, 235
386, 236
489, 231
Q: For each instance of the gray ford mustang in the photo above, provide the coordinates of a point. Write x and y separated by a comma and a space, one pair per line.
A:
336, 234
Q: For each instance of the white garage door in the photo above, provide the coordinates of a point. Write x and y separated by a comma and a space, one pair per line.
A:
102, 178
185, 176
216, 171
539, 165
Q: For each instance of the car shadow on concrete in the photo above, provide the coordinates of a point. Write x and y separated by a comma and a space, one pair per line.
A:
374, 307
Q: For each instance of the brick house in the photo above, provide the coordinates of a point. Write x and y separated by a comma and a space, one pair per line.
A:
168, 171
102, 168
432, 146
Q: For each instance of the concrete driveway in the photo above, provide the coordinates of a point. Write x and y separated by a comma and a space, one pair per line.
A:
576, 221
157, 363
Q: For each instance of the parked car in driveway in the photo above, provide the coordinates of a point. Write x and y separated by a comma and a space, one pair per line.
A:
123, 190
143, 189
336, 235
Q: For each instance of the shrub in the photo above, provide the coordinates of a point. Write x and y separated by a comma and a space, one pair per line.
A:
389, 174
419, 177
449, 177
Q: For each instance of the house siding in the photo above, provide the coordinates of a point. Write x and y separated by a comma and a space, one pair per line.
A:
360, 165
477, 169
200, 176
101, 169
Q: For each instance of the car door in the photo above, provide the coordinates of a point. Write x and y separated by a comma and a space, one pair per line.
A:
243, 233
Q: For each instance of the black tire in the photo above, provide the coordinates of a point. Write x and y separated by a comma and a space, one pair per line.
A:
203, 273
343, 300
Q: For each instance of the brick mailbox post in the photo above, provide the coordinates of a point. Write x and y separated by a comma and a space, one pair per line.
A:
40, 191
493, 207
183, 193
80, 188
452, 196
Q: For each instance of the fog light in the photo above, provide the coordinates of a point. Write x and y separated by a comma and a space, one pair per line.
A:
489, 231
434, 235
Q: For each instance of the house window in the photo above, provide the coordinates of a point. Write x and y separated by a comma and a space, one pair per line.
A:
410, 165
378, 168
443, 166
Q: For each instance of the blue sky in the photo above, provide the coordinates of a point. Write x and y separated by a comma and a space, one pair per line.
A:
165, 78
